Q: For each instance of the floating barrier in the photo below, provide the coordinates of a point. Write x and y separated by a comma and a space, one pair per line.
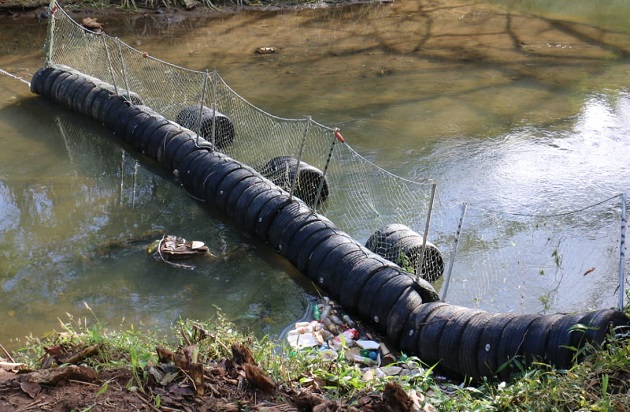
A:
203, 119
406, 248
283, 171
465, 342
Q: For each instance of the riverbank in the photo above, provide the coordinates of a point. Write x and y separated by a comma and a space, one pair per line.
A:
210, 366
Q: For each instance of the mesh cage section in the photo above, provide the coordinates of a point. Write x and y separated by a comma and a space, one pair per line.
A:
166, 88
500, 261
531, 264
258, 136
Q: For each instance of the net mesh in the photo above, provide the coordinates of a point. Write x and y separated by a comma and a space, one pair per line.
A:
493, 260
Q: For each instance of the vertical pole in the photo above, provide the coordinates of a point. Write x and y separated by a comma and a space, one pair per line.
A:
622, 245
426, 232
111, 67
136, 166
325, 171
50, 36
122, 177
204, 92
299, 158
214, 107
124, 70
447, 279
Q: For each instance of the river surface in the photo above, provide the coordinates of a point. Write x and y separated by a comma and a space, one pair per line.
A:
517, 109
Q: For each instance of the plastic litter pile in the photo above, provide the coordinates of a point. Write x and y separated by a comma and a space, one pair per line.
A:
333, 335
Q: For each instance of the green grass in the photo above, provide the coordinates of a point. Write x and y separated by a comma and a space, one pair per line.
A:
599, 383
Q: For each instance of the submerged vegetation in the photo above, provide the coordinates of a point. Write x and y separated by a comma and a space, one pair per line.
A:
212, 366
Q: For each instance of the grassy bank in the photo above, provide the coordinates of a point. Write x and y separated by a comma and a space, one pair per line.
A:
241, 372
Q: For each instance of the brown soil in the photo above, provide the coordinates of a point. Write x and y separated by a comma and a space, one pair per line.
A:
176, 383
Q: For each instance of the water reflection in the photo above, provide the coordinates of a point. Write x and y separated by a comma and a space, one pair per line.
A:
83, 212
511, 112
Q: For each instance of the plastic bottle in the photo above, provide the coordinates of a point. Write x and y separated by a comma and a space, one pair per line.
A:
316, 314
325, 312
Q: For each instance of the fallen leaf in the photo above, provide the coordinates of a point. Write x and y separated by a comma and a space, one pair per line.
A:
32, 389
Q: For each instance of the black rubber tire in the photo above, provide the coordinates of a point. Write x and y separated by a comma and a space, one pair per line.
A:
59, 81
199, 170
534, 345
369, 293
310, 245
358, 276
325, 254
329, 274
184, 151
419, 321
295, 211
117, 117
125, 116
385, 299
132, 129
66, 90
237, 192
94, 100
281, 171
227, 185
245, 201
38, 79
256, 205
426, 291
268, 213
408, 336
451, 338
158, 139
214, 178
107, 112
393, 239
560, 351
597, 326
224, 134
469, 345
177, 149
187, 169
511, 346
402, 309
430, 334
49, 81
53, 82
345, 266
80, 97
298, 241
149, 133
487, 359
293, 227
77, 85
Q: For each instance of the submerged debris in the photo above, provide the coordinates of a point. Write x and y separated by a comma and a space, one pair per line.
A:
172, 247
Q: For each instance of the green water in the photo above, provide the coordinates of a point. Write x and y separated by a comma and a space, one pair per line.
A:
510, 111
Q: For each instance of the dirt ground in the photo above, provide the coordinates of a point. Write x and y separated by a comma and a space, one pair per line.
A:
174, 384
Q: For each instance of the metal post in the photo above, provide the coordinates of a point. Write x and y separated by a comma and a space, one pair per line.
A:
321, 182
204, 92
299, 158
426, 230
124, 71
447, 279
622, 245
122, 177
111, 66
48, 46
214, 107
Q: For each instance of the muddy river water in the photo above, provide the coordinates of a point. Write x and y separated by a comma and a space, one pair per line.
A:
518, 107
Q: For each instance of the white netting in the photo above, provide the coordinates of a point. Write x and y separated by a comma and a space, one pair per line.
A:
501, 261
